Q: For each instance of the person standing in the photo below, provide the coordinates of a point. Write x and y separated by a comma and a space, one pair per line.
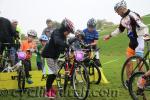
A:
49, 29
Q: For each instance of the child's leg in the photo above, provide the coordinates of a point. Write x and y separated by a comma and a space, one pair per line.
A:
29, 61
39, 65
26, 68
27, 65
49, 82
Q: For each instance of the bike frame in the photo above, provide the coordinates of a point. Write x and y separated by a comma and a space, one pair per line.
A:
144, 59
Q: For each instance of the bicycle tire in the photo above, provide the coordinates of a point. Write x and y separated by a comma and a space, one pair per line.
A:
85, 76
123, 71
132, 93
21, 79
65, 83
95, 67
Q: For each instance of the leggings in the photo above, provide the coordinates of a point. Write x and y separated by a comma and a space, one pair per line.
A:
27, 66
49, 82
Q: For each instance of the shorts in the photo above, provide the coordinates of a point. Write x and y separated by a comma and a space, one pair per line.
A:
139, 50
50, 66
130, 52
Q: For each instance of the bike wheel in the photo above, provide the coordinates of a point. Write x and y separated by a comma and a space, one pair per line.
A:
94, 74
60, 79
81, 83
66, 83
21, 79
134, 64
134, 91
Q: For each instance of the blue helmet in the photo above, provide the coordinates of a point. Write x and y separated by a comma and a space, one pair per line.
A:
44, 38
91, 23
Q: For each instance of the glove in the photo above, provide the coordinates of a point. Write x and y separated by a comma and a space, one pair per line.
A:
87, 45
146, 37
32, 50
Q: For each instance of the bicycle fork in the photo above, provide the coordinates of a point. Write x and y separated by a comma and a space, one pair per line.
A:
60, 89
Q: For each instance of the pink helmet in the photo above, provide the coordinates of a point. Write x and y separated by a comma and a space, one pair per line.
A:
67, 24
21, 55
79, 55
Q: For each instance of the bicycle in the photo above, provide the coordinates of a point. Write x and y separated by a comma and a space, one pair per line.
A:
6, 61
77, 74
20, 70
73, 74
138, 64
93, 68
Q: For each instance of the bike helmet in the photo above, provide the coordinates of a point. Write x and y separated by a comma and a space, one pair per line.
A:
32, 33
68, 25
43, 38
120, 4
80, 32
91, 23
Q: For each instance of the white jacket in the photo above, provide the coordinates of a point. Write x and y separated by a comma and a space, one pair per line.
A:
125, 22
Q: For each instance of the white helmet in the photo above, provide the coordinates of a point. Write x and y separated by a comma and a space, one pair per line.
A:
32, 33
120, 4
44, 38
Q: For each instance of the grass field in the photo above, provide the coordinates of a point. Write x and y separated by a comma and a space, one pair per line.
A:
112, 55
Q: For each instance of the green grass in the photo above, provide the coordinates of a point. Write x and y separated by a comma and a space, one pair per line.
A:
112, 55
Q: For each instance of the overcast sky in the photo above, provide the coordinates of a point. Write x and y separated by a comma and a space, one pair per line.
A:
32, 14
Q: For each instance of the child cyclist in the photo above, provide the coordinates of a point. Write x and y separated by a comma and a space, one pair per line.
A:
76, 43
91, 37
28, 46
78, 40
51, 52
43, 40
136, 31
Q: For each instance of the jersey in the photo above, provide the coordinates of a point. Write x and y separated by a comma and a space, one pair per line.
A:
90, 36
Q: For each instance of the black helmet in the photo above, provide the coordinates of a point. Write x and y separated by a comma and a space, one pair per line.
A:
91, 23
68, 25
80, 32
